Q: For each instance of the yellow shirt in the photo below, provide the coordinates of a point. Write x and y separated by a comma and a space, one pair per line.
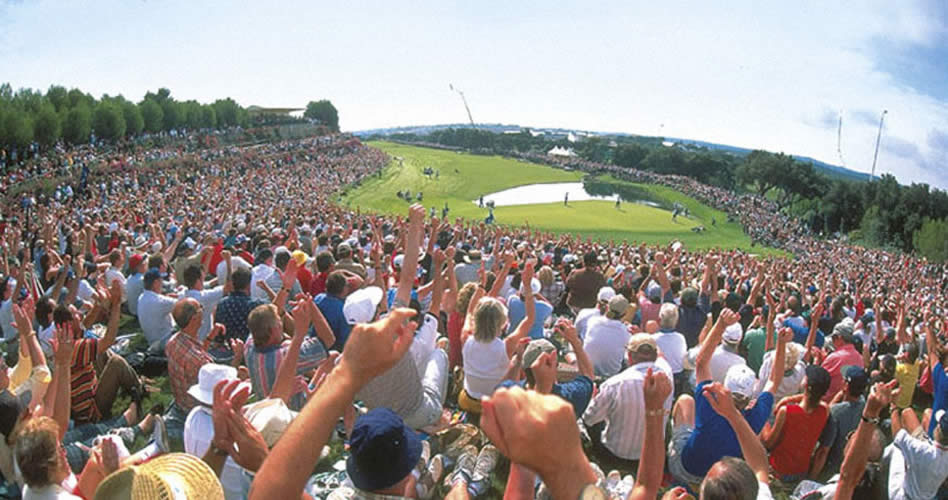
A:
907, 375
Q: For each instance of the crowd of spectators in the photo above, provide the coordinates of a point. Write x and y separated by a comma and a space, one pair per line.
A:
445, 357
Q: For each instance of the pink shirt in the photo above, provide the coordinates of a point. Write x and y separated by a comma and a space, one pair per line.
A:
834, 363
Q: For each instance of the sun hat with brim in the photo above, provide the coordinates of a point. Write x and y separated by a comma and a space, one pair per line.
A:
168, 477
383, 450
208, 377
360, 305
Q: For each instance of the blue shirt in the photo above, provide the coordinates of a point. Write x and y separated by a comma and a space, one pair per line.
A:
800, 333
713, 438
940, 395
517, 311
331, 307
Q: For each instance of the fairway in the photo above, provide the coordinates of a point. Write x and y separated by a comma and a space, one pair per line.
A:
464, 177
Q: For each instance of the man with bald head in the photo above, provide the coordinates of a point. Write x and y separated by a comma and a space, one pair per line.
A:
186, 354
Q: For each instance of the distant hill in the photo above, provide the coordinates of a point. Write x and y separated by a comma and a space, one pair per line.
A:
833, 171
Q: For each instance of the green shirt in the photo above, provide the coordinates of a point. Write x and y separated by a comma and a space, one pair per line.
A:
755, 341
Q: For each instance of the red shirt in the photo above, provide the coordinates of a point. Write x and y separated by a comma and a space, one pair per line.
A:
305, 277
318, 285
801, 430
455, 325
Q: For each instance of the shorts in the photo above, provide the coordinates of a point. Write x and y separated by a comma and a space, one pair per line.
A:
680, 435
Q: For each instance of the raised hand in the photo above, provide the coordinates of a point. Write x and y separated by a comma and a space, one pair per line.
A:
720, 399
228, 394
656, 389
520, 423
64, 344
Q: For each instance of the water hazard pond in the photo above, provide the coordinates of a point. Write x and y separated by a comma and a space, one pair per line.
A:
575, 191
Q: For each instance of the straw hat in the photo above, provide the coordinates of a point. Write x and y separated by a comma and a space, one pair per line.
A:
168, 477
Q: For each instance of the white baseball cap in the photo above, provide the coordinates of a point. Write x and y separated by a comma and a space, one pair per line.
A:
360, 305
733, 333
606, 294
740, 379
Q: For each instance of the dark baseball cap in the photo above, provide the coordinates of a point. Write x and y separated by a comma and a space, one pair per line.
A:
817, 379
856, 377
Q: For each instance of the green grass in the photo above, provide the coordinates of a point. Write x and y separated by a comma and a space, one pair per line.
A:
466, 177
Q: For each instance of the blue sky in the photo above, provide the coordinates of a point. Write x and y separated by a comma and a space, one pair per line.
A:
770, 75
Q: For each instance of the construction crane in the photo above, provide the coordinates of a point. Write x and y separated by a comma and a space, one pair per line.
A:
839, 140
875, 155
464, 100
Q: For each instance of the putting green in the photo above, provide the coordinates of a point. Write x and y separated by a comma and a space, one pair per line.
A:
464, 177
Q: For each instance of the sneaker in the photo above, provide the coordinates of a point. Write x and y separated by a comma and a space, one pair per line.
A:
428, 483
464, 468
483, 466
485, 463
160, 435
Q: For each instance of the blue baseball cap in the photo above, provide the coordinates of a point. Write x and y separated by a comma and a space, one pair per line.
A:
383, 450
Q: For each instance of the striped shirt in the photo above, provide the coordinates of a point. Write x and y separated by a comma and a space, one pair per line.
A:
264, 362
84, 382
621, 403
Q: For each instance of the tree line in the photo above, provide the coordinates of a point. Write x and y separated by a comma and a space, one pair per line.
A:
33, 120
881, 213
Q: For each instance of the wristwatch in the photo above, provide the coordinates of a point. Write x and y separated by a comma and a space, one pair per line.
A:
593, 491
874, 421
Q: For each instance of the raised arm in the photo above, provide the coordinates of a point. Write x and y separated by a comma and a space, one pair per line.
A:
711, 341
286, 374
529, 303
115, 316
780, 355
406, 281
509, 261
566, 328
814, 326
857, 453
656, 389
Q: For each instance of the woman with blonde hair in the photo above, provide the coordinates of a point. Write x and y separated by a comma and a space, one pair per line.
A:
486, 355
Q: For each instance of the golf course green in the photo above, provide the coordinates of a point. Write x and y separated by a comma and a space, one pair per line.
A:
463, 178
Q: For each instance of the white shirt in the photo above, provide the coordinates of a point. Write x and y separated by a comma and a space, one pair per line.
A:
112, 275
673, 347
48, 492
261, 272
722, 361
6, 319
621, 403
208, 299
134, 287
925, 465
198, 434
605, 345
484, 366
235, 263
154, 315
582, 320
789, 385
426, 338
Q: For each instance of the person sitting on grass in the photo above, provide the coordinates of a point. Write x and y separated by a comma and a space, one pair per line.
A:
797, 427
701, 436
